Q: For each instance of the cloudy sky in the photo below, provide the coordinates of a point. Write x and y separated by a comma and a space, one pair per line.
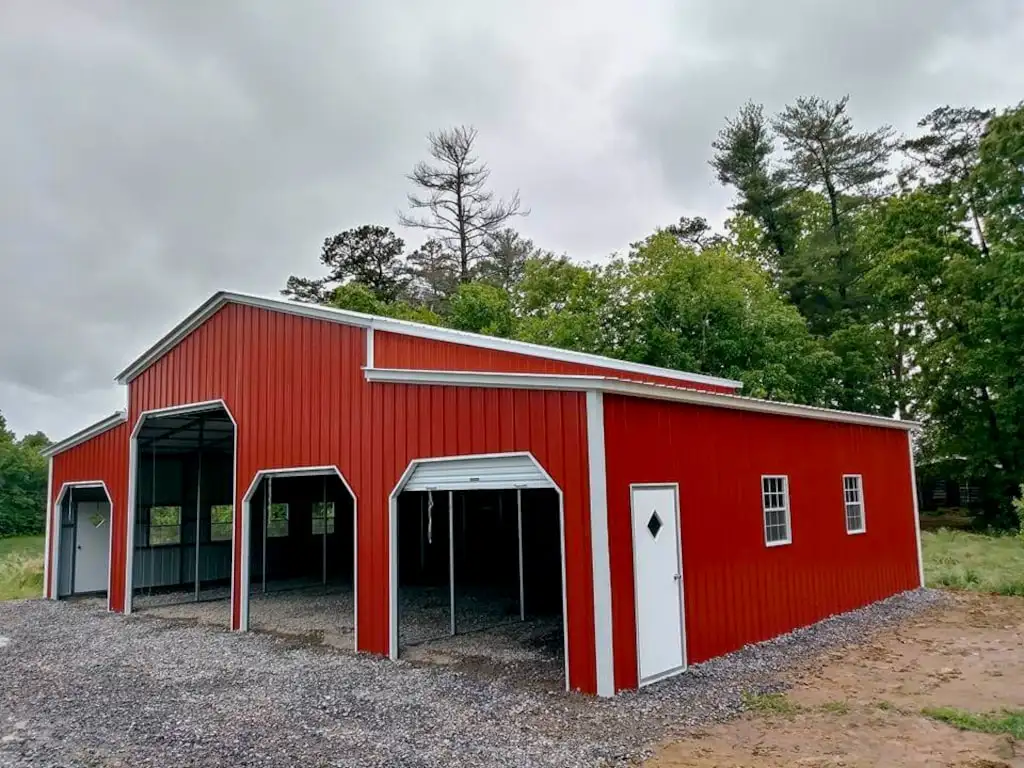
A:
154, 152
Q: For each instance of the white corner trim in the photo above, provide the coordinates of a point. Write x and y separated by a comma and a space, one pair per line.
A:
369, 347
615, 386
603, 645
101, 426
917, 511
402, 327
51, 551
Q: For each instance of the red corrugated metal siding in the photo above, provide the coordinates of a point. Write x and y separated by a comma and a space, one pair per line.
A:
104, 457
393, 350
737, 590
297, 392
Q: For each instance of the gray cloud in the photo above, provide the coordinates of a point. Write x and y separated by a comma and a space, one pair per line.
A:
155, 152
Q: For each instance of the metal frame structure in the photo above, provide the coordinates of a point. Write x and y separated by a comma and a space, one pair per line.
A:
241, 591
133, 484
54, 510
393, 544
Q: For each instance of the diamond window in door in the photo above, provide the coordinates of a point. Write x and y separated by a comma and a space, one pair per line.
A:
654, 524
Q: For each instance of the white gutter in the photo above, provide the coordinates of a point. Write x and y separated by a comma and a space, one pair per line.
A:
629, 388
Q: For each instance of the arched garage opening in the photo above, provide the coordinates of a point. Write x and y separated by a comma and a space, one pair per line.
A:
182, 488
478, 566
299, 543
83, 539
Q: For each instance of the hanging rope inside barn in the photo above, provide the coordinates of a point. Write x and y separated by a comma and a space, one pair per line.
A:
430, 517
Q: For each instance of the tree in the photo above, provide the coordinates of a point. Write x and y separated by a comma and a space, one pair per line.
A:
481, 308
743, 160
826, 155
369, 255
504, 259
948, 153
356, 297
435, 275
460, 210
716, 313
970, 384
23, 476
695, 232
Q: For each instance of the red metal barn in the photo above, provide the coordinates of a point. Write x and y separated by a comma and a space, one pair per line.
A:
667, 519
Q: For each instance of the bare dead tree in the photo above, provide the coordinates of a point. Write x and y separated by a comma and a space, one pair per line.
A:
457, 208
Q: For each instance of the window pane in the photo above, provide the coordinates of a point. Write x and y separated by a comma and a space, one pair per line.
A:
277, 522
221, 522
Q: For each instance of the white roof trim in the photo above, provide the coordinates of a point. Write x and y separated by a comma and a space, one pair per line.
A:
88, 433
404, 327
631, 388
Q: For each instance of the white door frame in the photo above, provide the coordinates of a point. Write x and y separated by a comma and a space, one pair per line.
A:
243, 575
393, 542
133, 486
54, 571
641, 682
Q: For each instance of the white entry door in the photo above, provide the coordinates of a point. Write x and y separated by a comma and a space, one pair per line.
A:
92, 546
657, 568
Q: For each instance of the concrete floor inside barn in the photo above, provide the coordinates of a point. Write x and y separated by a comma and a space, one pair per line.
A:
491, 641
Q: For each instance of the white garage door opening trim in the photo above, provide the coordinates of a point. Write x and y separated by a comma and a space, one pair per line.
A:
492, 471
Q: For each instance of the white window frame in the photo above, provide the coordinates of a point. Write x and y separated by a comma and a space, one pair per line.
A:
847, 503
326, 518
785, 509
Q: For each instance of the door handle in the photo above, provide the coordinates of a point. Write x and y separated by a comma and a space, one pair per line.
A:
677, 577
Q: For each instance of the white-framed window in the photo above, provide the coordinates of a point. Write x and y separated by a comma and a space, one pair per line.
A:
164, 526
775, 502
853, 503
277, 522
221, 525
323, 517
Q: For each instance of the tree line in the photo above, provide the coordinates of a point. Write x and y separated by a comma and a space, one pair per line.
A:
859, 270
23, 477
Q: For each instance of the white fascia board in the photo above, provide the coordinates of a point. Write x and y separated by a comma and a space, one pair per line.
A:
630, 388
405, 328
86, 434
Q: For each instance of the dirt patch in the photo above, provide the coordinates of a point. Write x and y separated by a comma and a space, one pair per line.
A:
861, 706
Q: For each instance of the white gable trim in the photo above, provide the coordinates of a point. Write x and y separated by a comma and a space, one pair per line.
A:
86, 434
631, 388
406, 328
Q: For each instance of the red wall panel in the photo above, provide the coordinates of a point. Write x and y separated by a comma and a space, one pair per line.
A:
104, 457
296, 390
737, 590
393, 350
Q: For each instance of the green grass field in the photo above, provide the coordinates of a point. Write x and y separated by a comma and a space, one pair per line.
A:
21, 567
962, 560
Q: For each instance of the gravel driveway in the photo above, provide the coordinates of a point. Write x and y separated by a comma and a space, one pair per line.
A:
82, 687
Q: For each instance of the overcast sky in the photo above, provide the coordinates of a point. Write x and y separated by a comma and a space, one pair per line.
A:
153, 152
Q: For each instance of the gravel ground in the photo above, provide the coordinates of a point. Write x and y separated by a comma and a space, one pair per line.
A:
83, 687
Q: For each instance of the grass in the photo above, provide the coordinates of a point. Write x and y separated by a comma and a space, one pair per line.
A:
770, 704
21, 567
836, 707
1009, 721
962, 560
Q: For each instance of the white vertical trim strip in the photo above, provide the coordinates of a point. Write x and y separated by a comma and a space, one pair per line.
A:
369, 347
51, 551
603, 650
917, 511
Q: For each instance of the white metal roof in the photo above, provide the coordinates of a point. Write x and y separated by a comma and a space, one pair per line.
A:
118, 417
404, 327
631, 388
